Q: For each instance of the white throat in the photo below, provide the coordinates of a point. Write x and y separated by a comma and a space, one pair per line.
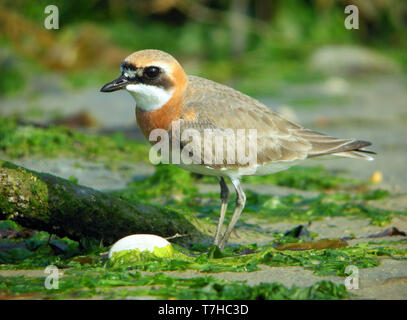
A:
148, 97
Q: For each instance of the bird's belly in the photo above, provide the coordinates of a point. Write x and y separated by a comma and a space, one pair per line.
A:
276, 166
201, 169
257, 170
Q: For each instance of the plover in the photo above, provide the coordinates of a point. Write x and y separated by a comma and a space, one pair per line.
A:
165, 95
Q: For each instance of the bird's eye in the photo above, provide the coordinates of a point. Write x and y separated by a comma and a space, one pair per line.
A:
151, 72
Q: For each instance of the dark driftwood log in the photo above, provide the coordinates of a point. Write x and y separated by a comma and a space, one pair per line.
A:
42, 201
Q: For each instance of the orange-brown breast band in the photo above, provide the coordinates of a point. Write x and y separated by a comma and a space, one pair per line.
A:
158, 119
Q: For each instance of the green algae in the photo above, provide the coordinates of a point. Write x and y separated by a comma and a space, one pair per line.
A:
290, 208
109, 285
128, 257
167, 182
178, 190
17, 141
91, 275
35, 252
321, 262
85, 281
299, 208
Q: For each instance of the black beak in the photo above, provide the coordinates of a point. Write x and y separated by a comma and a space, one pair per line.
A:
117, 84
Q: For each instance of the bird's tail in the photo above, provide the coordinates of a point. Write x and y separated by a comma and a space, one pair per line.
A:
358, 154
325, 145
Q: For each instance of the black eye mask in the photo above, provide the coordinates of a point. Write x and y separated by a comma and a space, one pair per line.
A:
151, 75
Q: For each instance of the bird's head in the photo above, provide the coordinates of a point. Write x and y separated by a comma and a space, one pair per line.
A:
152, 77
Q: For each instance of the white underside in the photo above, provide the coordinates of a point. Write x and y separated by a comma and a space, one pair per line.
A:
148, 97
257, 170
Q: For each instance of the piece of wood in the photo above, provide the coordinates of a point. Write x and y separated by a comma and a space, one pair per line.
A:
42, 201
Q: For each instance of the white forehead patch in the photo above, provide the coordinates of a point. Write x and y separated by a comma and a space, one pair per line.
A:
148, 97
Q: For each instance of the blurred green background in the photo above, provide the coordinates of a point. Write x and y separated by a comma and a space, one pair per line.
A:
254, 45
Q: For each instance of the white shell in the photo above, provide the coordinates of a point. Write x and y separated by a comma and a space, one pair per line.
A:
141, 242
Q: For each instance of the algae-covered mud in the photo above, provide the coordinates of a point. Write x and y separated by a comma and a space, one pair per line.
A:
326, 223
19, 141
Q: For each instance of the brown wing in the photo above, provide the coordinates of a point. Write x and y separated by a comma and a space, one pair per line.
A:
221, 107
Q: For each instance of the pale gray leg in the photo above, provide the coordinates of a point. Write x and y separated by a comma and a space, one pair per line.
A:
240, 203
224, 196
